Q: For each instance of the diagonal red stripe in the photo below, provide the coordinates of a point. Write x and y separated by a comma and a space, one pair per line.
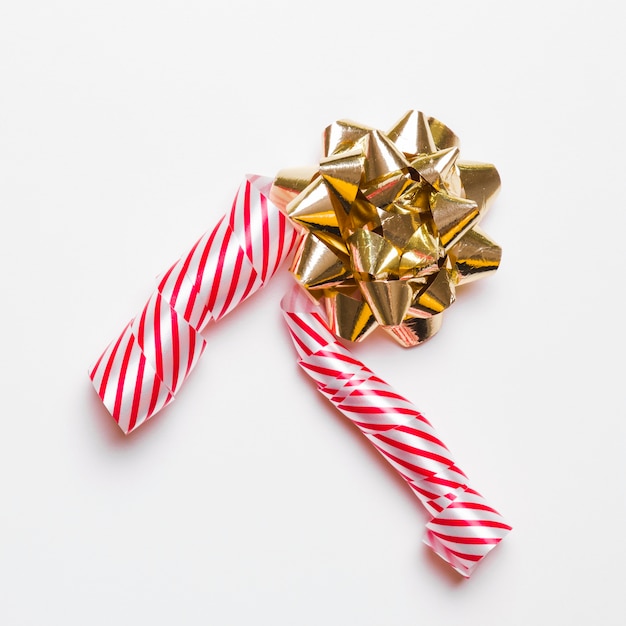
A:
192, 348
320, 370
376, 410
165, 277
205, 255
246, 221
340, 356
307, 329
157, 337
181, 275
137, 395
109, 365
266, 237
251, 281
155, 395
410, 466
465, 523
420, 433
218, 273
472, 505
234, 281
302, 346
466, 557
475, 541
92, 374
413, 450
122, 379
281, 237
175, 349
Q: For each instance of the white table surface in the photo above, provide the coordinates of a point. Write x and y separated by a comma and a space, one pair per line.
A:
125, 129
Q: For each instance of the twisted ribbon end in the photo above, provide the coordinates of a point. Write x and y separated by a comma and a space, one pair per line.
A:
466, 531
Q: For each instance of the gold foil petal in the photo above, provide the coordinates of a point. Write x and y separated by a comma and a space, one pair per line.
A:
481, 183
437, 296
452, 183
437, 167
372, 255
335, 243
353, 215
316, 266
363, 214
397, 227
384, 192
389, 300
348, 287
422, 253
313, 208
453, 217
343, 173
412, 134
416, 197
382, 158
442, 135
475, 256
289, 182
350, 318
342, 135
415, 330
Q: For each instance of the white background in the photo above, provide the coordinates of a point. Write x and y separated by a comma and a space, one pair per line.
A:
125, 129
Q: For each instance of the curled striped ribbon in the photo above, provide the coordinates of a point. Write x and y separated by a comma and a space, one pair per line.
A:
140, 372
463, 528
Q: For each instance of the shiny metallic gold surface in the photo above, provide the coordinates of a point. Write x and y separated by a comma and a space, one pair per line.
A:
438, 167
373, 257
415, 330
342, 135
453, 217
316, 266
442, 135
436, 296
289, 183
343, 173
389, 226
389, 300
475, 256
412, 134
350, 316
481, 182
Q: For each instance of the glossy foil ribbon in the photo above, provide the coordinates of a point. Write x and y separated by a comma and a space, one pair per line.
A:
385, 230
389, 226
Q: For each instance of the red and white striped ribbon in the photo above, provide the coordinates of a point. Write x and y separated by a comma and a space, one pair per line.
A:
463, 528
140, 372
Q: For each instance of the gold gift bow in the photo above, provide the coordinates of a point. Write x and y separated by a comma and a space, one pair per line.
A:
389, 226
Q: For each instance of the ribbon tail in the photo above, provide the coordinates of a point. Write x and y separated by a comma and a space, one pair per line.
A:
463, 528
140, 372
